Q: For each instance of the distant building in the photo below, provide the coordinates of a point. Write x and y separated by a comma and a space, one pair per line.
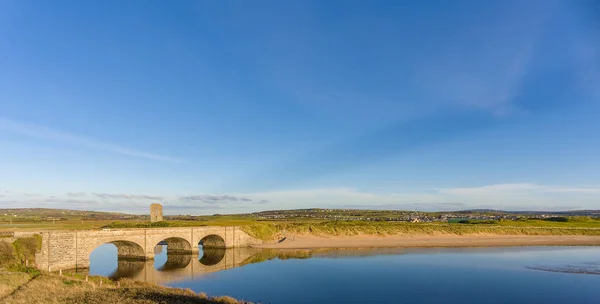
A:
156, 213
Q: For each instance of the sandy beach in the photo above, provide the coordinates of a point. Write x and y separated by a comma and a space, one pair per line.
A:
311, 241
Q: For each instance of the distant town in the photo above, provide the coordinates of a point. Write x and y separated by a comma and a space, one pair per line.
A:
40, 214
413, 216
403, 216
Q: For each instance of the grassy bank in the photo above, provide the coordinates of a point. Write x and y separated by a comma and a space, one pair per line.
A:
272, 230
19, 288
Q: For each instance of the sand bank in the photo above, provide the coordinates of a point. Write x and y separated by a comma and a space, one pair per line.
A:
311, 241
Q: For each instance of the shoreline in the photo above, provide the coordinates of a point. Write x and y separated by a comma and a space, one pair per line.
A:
365, 241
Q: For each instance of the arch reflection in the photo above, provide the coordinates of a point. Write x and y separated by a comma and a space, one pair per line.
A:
212, 256
176, 261
185, 266
128, 269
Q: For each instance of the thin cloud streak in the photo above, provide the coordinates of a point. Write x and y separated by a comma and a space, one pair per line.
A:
76, 194
46, 133
213, 199
509, 196
516, 187
128, 196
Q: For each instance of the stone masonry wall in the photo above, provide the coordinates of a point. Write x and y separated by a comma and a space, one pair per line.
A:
72, 249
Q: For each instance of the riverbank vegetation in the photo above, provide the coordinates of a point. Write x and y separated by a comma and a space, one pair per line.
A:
20, 252
20, 288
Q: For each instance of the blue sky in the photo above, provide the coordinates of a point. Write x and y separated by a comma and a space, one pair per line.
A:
238, 106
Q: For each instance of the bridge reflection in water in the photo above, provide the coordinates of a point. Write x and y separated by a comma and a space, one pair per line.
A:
174, 266
178, 266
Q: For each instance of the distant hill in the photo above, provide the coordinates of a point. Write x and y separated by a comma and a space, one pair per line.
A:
63, 214
365, 211
566, 212
33, 214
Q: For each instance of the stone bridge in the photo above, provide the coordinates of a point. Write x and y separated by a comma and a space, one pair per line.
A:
63, 250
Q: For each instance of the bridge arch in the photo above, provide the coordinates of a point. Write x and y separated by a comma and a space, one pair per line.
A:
176, 245
213, 249
127, 250
112, 258
212, 241
178, 254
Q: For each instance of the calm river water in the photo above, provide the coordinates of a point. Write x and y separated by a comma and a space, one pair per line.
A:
471, 275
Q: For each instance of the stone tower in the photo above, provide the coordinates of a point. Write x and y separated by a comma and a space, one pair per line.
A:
156, 214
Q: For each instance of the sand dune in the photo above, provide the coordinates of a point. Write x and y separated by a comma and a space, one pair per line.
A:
311, 241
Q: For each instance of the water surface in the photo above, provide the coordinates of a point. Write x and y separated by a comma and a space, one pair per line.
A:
467, 275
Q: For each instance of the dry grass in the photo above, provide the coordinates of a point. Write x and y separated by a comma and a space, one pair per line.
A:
54, 289
9, 281
269, 231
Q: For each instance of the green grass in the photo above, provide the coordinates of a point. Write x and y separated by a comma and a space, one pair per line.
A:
570, 222
56, 225
275, 229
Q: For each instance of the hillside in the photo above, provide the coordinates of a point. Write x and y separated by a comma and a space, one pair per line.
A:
44, 214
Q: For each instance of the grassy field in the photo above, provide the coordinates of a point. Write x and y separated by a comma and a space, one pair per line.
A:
98, 224
272, 229
54, 225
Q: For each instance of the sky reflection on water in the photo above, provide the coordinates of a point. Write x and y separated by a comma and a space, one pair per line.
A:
393, 275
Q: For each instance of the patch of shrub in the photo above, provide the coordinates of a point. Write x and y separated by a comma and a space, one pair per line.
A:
25, 248
33, 272
557, 219
71, 282
7, 254
160, 224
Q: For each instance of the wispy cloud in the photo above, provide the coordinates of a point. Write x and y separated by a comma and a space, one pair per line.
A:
513, 188
128, 196
214, 199
46, 133
512, 196
508, 196
188, 208
76, 194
